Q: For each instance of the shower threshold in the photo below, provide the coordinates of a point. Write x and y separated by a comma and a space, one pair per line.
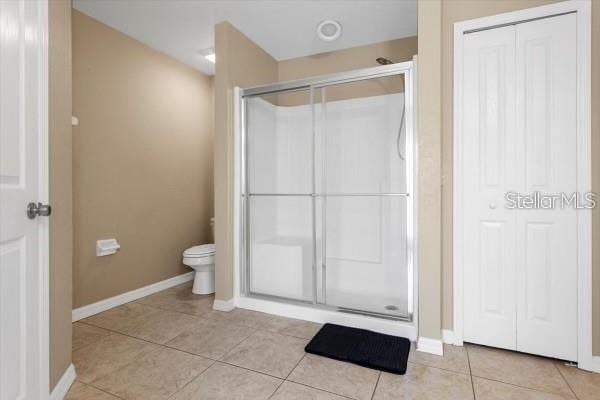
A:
307, 303
322, 313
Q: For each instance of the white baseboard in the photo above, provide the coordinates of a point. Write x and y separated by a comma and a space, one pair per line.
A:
224, 305
112, 302
431, 346
596, 364
64, 384
447, 336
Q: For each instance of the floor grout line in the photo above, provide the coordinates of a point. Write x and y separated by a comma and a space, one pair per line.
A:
519, 386
376, 384
238, 344
468, 360
169, 309
471, 374
200, 355
138, 357
438, 368
287, 376
319, 389
113, 332
202, 317
109, 332
325, 390
192, 380
295, 366
102, 390
250, 369
163, 308
276, 389
565, 379
193, 354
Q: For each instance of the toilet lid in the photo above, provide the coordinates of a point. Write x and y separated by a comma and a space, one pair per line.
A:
201, 250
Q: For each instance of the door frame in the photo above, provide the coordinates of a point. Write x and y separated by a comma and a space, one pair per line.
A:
44, 197
582, 8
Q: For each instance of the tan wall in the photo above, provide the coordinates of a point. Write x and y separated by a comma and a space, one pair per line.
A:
429, 168
397, 50
61, 228
142, 161
460, 10
240, 62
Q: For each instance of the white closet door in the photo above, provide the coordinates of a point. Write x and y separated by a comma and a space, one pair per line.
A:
489, 169
519, 117
546, 126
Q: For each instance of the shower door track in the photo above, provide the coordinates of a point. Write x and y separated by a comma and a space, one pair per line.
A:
348, 310
321, 82
328, 80
327, 194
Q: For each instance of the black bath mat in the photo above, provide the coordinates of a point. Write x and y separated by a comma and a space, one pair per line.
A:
362, 347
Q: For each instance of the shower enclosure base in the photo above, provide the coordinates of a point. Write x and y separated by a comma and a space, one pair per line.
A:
313, 313
392, 307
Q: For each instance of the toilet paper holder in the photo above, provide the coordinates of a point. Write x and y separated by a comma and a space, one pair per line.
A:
106, 247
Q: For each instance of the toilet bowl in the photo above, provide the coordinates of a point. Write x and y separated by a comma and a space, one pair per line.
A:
202, 259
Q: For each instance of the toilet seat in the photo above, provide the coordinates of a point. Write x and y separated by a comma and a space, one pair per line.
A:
203, 250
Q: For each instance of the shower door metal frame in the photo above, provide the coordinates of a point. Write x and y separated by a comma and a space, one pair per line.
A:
408, 69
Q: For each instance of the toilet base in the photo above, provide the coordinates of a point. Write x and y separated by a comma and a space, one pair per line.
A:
204, 282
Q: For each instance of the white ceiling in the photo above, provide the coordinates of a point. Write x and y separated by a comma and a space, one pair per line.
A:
284, 28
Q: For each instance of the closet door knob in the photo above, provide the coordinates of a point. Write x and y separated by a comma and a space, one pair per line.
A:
492, 206
39, 209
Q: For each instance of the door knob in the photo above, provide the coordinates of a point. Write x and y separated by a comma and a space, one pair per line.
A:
39, 209
492, 206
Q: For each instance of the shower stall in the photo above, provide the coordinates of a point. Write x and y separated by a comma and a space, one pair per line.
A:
325, 195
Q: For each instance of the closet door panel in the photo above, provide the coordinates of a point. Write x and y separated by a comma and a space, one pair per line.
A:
546, 129
489, 169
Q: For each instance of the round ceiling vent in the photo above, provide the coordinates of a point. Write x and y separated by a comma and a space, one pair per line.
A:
329, 30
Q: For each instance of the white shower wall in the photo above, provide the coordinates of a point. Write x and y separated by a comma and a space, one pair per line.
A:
365, 236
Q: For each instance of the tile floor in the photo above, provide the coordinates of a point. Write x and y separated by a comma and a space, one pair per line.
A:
172, 345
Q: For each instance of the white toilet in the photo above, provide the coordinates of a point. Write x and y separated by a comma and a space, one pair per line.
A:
202, 259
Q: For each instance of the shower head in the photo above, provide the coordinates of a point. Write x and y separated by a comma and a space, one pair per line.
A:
383, 61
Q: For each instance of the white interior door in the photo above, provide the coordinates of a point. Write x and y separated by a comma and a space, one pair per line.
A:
546, 128
490, 168
23, 179
519, 115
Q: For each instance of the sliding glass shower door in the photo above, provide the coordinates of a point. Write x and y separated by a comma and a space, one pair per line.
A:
327, 202
362, 192
280, 187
